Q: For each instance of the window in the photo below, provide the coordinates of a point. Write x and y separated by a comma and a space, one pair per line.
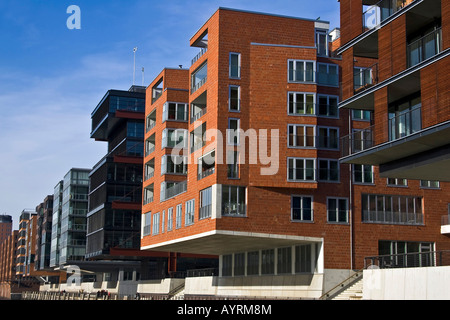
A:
284, 260
268, 261
233, 200
235, 65
400, 254
205, 203
233, 131
303, 259
301, 136
233, 164
300, 169
227, 265
135, 129
157, 90
239, 264
361, 115
362, 77
328, 138
170, 219
322, 42
328, 106
405, 117
148, 194
424, 45
163, 221
190, 212
253, 263
301, 103
301, 208
147, 223
431, 184
337, 210
197, 139
155, 223
234, 98
199, 77
392, 209
328, 74
328, 170
178, 216
206, 165
362, 173
394, 182
174, 138
173, 164
175, 111
301, 71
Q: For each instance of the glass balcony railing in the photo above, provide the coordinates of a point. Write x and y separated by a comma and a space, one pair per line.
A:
365, 77
376, 14
405, 123
357, 141
424, 47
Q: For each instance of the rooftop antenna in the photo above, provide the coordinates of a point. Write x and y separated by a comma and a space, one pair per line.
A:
134, 65
143, 76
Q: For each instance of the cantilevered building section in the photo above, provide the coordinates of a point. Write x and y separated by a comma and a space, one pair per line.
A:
395, 64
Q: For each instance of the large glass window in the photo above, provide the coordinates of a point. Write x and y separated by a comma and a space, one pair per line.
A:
301, 136
327, 106
301, 71
179, 213
175, 111
300, 103
328, 170
190, 212
199, 77
235, 65
392, 209
174, 138
205, 203
300, 169
302, 208
405, 117
337, 210
328, 138
233, 200
362, 173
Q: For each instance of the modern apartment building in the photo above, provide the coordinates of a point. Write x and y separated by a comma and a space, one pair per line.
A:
22, 244
395, 56
5, 227
116, 181
270, 200
273, 201
56, 224
44, 233
70, 204
395, 82
8, 254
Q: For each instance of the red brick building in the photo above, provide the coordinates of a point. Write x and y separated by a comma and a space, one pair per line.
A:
272, 201
395, 58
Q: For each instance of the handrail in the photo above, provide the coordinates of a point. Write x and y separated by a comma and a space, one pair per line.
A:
333, 291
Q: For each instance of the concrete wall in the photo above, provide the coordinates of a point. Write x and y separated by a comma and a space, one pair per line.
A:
430, 283
282, 286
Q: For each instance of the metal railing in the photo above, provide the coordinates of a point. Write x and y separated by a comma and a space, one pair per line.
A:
405, 123
424, 48
357, 141
175, 190
393, 217
199, 55
206, 173
409, 260
198, 115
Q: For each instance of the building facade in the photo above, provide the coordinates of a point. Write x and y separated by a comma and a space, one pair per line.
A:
272, 200
394, 81
116, 181
56, 224
44, 233
5, 227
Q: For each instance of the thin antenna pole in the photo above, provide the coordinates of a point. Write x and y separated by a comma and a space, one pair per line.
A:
134, 65
143, 76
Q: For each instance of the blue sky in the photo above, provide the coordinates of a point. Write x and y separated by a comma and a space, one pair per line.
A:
51, 78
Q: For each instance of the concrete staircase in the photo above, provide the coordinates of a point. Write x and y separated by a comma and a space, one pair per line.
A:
354, 292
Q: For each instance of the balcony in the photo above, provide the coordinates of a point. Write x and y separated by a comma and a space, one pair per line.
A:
374, 15
198, 107
364, 77
400, 124
199, 55
199, 78
424, 47
174, 189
